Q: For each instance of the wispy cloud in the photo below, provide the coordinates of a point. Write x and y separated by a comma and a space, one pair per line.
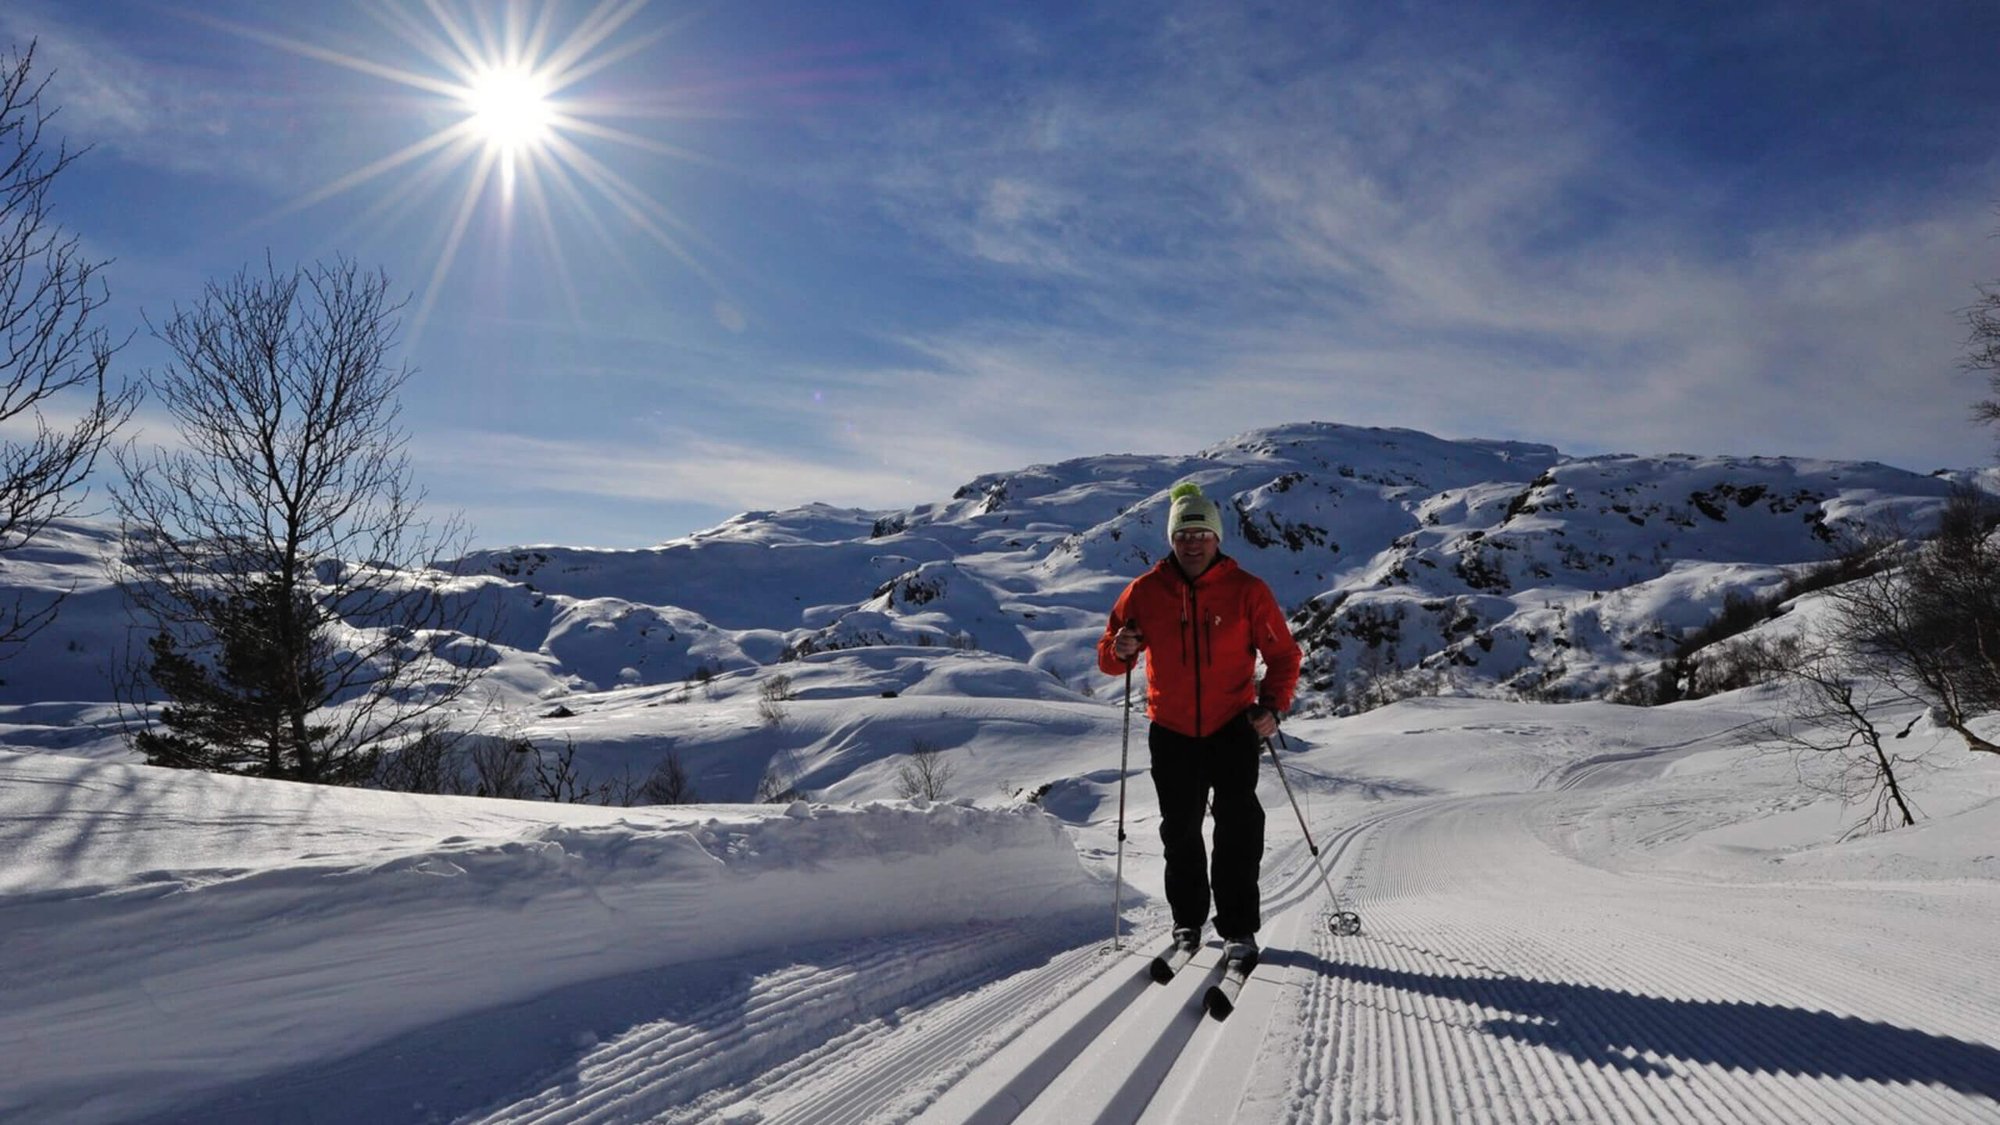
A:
168, 116
1142, 226
1392, 225
675, 466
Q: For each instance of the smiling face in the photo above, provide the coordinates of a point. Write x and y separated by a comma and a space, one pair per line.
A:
1196, 551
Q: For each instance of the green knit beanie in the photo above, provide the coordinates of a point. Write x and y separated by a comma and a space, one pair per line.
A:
1192, 511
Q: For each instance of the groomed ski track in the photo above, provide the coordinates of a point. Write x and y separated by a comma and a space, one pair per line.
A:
1468, 998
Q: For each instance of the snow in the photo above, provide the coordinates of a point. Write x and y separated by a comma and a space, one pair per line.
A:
169, 935
1573, 911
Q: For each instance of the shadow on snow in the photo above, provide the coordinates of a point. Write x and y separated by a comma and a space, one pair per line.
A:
676, 1033
1607, 1027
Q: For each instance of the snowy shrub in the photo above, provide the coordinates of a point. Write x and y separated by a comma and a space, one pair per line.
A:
1645, 687
1378, 686
924, 774
1739, 614
1740, 663
435, 762
669, 783
772, 712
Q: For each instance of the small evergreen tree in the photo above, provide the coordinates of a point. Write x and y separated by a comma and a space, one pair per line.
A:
246, 710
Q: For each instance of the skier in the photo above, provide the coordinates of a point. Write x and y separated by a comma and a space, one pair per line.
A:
1203, 621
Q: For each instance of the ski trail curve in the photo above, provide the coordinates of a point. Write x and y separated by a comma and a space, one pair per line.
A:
1153, 1054
1469, 1000
1498, 979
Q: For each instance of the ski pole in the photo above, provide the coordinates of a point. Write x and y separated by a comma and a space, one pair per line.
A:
1343, 922
1124, 758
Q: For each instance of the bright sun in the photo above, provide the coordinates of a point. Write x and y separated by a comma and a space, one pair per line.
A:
510, 109
524, 129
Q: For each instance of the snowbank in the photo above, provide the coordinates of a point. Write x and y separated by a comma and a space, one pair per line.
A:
163, 933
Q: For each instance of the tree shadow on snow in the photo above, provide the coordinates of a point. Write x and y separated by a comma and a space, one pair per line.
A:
464, 1064
1607, 1027
539, 1048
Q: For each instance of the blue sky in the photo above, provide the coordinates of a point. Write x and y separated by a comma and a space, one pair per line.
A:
862, 252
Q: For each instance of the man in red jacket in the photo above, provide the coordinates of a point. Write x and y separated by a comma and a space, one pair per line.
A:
1202, 622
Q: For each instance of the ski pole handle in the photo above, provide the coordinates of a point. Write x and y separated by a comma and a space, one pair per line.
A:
1128, 633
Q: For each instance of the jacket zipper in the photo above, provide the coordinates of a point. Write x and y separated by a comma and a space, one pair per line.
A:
1194, 606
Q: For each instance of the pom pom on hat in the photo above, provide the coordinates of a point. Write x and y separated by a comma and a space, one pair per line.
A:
1191, 511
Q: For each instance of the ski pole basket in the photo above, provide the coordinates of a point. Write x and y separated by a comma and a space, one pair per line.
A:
1340, 921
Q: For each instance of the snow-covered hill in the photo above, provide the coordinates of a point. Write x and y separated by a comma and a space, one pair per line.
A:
1501, 567
1497, 569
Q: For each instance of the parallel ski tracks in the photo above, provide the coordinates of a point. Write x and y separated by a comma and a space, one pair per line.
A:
1463, 1000
1158, 1058
840, 1019
881, 1074
1411, 1021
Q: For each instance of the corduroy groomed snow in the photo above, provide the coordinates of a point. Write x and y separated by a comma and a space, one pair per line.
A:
1192, 511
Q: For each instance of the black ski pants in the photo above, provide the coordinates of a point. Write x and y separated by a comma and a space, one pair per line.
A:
1186, 771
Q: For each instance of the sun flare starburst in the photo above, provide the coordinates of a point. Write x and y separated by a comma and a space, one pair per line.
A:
510, 108
521, 136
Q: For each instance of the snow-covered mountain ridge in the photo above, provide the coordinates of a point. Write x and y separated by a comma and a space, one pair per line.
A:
1501, 564
1491, 568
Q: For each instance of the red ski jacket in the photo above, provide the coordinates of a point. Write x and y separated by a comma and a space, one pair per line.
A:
1202, 639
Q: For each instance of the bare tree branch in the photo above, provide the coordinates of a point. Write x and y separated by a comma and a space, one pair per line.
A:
1931, 621
55, 401
1830, 712
299, 624
925, 773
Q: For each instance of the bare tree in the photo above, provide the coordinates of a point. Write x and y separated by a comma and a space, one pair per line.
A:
1982, 347
559, 780
434, 761
771, 697
669, 783
277, 557
772, 712
500, 767
1930, 624
1830, 712
924, 774
49, 295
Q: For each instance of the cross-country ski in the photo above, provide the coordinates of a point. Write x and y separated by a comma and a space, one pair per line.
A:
1220, 999
1172, 959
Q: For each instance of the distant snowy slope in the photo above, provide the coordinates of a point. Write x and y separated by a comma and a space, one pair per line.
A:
1391, 547
1491, 568
1393, 550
